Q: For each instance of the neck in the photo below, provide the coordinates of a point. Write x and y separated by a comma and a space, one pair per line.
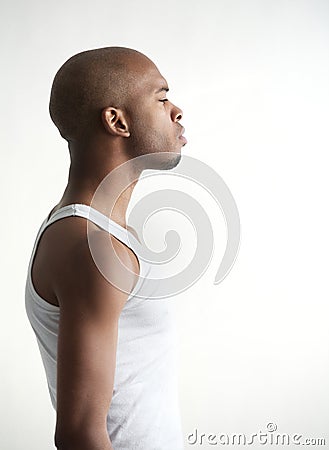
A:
105, 183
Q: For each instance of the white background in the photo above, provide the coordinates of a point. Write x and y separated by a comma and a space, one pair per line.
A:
252, 79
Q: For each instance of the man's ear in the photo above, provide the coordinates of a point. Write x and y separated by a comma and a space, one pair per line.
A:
115, 122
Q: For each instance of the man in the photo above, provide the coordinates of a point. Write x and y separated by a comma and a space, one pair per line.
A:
108, 355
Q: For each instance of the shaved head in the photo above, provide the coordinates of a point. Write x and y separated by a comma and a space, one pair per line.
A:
89, 82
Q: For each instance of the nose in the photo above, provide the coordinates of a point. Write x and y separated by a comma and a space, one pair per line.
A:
177, 114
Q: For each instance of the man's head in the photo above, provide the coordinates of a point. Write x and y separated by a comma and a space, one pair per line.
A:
115, 95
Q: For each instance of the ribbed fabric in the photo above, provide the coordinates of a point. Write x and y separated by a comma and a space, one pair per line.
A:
144, 411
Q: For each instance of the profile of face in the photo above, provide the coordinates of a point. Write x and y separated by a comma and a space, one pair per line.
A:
155, 127
116, 97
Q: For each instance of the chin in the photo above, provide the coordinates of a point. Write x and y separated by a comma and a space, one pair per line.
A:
171, 161
162, 160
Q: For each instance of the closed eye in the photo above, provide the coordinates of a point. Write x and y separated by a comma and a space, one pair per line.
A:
164, 100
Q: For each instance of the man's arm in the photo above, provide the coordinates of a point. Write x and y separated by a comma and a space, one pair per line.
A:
89, 312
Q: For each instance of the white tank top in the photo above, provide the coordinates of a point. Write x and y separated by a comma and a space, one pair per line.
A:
144, 411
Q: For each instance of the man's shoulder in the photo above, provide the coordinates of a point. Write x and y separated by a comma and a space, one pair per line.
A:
90, 259
75, 256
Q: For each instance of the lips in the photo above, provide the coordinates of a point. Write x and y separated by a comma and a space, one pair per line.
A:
181, 137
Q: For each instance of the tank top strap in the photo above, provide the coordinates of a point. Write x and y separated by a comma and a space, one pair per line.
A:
105, 223
98, 218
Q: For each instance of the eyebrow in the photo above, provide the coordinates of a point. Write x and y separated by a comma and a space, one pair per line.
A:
162, 89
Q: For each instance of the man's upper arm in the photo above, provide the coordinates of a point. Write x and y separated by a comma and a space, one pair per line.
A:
90, 307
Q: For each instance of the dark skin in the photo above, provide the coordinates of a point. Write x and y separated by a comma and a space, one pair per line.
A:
63, 271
